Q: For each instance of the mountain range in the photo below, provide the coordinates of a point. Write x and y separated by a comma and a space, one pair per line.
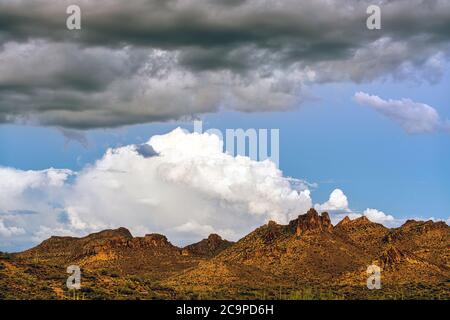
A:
308, 258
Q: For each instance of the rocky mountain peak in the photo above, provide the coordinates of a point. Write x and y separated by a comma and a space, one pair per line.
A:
311, 221
121, 232
271, 223
424, 225
153, 240
362, 219
208, 247
213, 237
344, 221
410, 222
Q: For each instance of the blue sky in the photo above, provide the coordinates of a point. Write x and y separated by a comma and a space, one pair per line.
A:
330, 140
363, 115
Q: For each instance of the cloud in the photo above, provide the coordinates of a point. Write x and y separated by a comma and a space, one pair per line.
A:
413, 117
27, 200
188, 187
73, 135
338, 207
378, 216
19, 185
9, 231
337, 201
180, 184
241, 55
192, 230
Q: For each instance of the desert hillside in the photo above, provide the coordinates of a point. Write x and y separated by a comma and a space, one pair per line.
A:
308, 258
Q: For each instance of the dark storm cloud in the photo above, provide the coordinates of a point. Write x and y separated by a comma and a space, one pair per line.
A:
142, 61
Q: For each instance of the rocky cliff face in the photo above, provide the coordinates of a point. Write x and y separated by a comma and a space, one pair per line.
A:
311, 222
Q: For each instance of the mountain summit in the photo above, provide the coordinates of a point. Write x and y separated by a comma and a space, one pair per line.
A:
207, 247
311, 221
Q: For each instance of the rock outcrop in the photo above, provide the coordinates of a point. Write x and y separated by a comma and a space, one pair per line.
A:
311, 221
209, 247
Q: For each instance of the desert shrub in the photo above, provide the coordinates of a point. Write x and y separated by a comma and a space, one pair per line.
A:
5, 255
114, 275
125, 290
138, 279
87, 290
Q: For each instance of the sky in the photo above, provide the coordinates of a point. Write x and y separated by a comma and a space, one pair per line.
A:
89, 118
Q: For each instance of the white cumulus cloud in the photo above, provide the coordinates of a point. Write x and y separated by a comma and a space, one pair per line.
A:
338, 207
337, 201
413, 117
6, 231
378, 216
186, 187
